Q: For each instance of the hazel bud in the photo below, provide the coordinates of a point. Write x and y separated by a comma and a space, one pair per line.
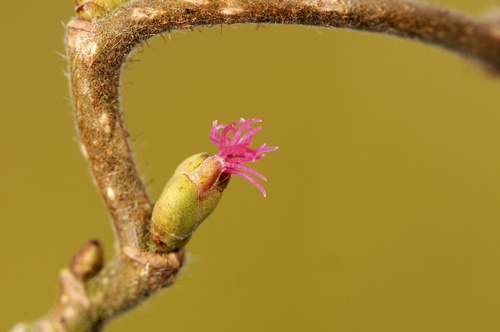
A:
188, 198
197, 185
88, 10
88, 261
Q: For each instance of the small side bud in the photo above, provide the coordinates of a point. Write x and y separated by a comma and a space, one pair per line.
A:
88, 10
188, 198
88, 261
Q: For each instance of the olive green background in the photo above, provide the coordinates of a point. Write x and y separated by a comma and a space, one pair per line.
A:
383, 200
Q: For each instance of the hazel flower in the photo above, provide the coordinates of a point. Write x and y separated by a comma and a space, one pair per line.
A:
196, 187
234, 151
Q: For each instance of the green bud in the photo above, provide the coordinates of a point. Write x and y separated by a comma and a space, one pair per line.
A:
88, 10
188, 198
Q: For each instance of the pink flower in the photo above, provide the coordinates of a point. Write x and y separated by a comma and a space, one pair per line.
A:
234, 151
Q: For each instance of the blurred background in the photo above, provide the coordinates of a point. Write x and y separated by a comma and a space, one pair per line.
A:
383, 200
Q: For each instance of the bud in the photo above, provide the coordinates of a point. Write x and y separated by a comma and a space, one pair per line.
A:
188, 198
88, 261
88, 10
197, 185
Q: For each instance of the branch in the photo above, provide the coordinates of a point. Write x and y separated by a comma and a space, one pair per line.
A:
97, 49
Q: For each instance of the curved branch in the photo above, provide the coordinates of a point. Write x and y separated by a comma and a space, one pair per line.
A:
96, 52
